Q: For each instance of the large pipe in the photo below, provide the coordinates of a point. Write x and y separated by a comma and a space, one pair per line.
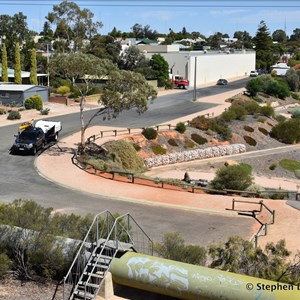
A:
185, 281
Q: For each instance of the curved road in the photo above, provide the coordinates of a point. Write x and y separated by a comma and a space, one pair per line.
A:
19, 179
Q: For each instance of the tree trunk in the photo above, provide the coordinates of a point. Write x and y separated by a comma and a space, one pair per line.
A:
82, 143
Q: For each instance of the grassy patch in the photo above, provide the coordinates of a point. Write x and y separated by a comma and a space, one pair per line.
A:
290, 165
158, 150
189, 144
198, 139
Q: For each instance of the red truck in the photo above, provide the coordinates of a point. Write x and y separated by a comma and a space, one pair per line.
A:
179, 82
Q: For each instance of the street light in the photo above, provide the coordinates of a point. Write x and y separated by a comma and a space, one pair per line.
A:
195, 80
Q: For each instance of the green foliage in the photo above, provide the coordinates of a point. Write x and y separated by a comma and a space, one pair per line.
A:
4, 69
172, 142
161, 69
150, 133
124, 154
17, 70
237, 177
33, 68
5, 264
45, 111
136, 147
189, 144
295, 96
297, 173
34, 101
290, 165
295, 112
287, 132
2, 111
28, 103
198, 139
273, 167
280, 118
228, 115
63, 90
14, 115
240, 111
158, 150
252, 107
261, 119
173, 247
180, 127
249, 140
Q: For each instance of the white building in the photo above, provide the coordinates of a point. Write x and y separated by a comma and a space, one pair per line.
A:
209, 66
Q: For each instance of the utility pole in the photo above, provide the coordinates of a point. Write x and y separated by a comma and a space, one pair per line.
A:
48, 80
195, 80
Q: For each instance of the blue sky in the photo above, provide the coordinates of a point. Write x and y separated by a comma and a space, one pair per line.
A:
207, 17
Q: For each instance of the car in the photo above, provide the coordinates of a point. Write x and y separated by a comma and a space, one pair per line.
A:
222, 82
253, 73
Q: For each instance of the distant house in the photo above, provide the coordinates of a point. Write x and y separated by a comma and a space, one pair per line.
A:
280, 69
25, 76
18, 93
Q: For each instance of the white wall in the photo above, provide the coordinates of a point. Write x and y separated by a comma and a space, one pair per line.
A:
210, 66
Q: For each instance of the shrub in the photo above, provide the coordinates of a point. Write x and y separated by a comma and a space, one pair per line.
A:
295, 96
267, 110
189, 144
240, 111
252, 107
263, 130
158, 150
28, 103
287, 132
295, 113
237, 177
249, 140
172, 142
37, 102
273, 167
45, 111
136, 147
180, 127
14, 115
280, 118
5, 264
297, 173
149, 133
228, 115
261, 119
198, 139
278, 196
248, 128
257, 99
124, 154
2, 111
63, 90
290, 165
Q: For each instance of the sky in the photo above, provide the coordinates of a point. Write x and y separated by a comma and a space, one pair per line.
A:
206, 17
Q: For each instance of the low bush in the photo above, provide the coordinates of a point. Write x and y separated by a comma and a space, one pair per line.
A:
63, 90
34, 101
278, 195
249, 140
136, 147
240, 112
248, 128
228, 115
150, 133
267, 111
280, 118
263, 131
295, 113
5, 264
172, 142
261, 119
180, 127
2, 111
45, 111
28, 103
295, 96
198, 139
290, 165
158, 150
14, 115
273, 167
252, 107
287, 132
189, 144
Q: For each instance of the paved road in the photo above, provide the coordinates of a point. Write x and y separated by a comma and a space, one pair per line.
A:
19, 179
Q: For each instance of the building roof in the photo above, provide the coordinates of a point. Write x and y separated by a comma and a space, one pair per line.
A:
19, 87
24, 74
146, 41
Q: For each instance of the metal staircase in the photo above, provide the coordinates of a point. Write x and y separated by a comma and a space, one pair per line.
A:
107, 237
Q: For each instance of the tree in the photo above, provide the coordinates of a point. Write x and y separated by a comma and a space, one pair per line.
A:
137, 30
161, 69
15, 29
296, 35
279, 36
4, 71
132, 58
33, 68
236, 177
17, 70
85, 67
263, 47
244, 38
73, 25
115, 33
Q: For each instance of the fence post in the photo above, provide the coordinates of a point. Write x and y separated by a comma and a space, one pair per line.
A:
233, 201
157, 127
132, 178
266, 228
101, 132
129, 130
261, 205
274, 216
256, 240
169, 126
162, 184
115, 132
113, 175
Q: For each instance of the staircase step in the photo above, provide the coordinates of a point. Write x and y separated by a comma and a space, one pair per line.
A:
97, 274
82, 295
93, 285
98, 266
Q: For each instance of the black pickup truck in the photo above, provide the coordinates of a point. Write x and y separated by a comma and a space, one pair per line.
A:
35, 137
